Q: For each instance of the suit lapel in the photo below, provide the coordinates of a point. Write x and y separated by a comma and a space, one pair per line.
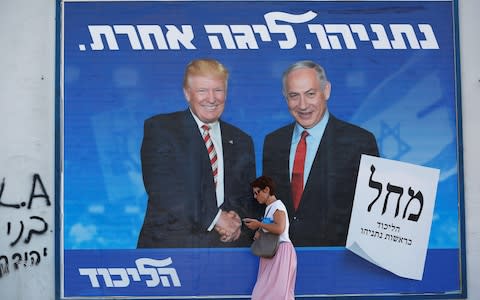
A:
227, 145
193, 135
229, 151
318, 181
284, 156
200, 163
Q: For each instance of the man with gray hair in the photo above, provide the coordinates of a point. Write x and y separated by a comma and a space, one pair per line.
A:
315, 159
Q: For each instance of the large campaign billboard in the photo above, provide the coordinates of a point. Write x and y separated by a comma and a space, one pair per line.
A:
392, 66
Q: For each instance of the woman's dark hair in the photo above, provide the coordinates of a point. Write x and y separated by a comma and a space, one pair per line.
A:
262, 182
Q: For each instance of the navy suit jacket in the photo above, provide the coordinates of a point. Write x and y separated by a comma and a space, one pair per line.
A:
178, 180
323, 215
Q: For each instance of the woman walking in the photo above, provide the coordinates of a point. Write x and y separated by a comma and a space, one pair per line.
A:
276, 276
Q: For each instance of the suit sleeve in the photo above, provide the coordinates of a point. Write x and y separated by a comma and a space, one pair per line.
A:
238, 194
173, 209
362, 142
155, 170
371, 147
154, 154
266, 157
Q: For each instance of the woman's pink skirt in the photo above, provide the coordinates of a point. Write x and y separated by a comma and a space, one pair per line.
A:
277, 275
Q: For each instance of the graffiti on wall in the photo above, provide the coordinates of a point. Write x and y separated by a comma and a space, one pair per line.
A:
20, 233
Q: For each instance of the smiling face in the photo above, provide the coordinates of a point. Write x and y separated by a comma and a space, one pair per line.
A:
306, 96
206, 96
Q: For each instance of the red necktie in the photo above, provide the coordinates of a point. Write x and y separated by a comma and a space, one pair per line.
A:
211, 151
297, 172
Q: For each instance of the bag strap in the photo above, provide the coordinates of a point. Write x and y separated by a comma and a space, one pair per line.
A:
266, 213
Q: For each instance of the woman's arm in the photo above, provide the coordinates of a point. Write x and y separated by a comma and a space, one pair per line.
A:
278, 225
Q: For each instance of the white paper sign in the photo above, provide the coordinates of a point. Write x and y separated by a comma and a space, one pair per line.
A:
392, 215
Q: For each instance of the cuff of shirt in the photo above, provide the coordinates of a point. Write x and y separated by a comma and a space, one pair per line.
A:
214, 220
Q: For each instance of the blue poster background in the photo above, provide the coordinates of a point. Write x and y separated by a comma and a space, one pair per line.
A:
406, 97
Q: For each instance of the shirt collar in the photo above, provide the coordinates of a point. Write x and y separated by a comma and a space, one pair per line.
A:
213, 125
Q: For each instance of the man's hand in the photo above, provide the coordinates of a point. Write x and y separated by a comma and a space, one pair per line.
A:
229, 226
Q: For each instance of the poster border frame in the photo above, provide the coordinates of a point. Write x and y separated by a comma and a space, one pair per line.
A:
59, 138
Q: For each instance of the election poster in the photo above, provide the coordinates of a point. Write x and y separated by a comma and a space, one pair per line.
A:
134, 211
392, 214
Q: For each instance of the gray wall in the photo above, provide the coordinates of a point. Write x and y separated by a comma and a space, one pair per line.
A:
27, 138
469, 24
27, 85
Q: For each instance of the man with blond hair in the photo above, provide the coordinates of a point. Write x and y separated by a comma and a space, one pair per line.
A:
197, 169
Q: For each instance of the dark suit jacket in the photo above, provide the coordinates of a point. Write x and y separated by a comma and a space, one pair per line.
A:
178, 180
323, 216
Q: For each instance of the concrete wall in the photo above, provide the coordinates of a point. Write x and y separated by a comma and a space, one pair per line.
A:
27, 136
27, 139
469, 24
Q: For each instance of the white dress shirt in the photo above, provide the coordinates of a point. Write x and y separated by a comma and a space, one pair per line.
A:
216, 137
313, 139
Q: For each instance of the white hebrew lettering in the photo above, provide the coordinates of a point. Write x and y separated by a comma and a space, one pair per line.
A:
344, 32
92, 275
134, 273
244, 36
290, 39
146, 31
97, 31
129, 30
175, 37
124, 281
382, 42
398, 30
224, 31
321, 35
360, 30
430, 41
262, 31
155, 270
106, 276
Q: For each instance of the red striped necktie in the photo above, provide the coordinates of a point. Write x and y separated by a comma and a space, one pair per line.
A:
211, 151
297, 172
